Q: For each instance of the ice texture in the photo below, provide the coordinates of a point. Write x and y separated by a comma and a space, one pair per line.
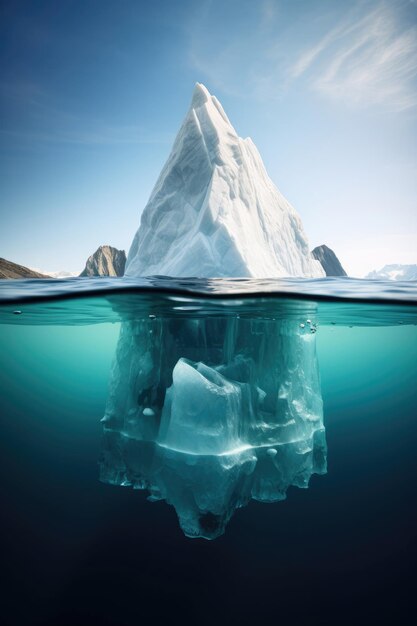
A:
214, 211
209, 412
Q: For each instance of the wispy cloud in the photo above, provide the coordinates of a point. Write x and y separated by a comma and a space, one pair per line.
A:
362, 55
269, 11
370, 61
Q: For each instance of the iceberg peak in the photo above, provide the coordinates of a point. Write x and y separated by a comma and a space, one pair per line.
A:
200, 95
214, 211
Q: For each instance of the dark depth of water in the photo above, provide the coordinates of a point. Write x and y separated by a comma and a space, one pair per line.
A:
77, 551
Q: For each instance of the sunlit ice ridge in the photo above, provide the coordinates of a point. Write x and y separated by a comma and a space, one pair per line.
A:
214, 211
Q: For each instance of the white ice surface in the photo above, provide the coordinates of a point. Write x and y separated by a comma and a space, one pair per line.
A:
214, 211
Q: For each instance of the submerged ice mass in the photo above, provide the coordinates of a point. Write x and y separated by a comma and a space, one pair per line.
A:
208, 412
214, 210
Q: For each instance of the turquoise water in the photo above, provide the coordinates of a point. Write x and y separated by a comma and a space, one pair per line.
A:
79, 550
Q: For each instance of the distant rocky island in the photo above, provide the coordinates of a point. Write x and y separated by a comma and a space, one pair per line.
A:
106, 261
328, 260
8, 269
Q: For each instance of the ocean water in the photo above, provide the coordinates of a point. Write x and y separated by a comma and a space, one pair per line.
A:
79, 550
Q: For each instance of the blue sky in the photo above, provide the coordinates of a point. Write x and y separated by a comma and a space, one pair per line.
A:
93, 92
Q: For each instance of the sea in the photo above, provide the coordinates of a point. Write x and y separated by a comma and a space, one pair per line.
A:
80, 549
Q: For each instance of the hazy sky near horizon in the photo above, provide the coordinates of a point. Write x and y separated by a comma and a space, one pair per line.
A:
92, 94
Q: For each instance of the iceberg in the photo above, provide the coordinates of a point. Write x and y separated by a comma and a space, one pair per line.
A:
208, 412
214, 211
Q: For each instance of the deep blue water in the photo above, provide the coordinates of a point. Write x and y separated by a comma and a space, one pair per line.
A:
78, 551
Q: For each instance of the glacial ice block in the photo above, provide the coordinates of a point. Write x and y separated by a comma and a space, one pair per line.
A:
214, 211
209, 412
201, 410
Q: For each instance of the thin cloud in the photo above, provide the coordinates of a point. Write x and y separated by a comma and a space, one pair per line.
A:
268, 13
366, 55
308, 57
372, 61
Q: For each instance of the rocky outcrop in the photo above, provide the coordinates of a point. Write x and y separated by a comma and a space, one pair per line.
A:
329, 261
8, 269
106, 261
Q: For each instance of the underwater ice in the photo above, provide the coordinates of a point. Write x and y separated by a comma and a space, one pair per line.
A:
208, 413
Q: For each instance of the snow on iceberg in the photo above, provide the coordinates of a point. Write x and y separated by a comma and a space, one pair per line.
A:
214, 211
208, 412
